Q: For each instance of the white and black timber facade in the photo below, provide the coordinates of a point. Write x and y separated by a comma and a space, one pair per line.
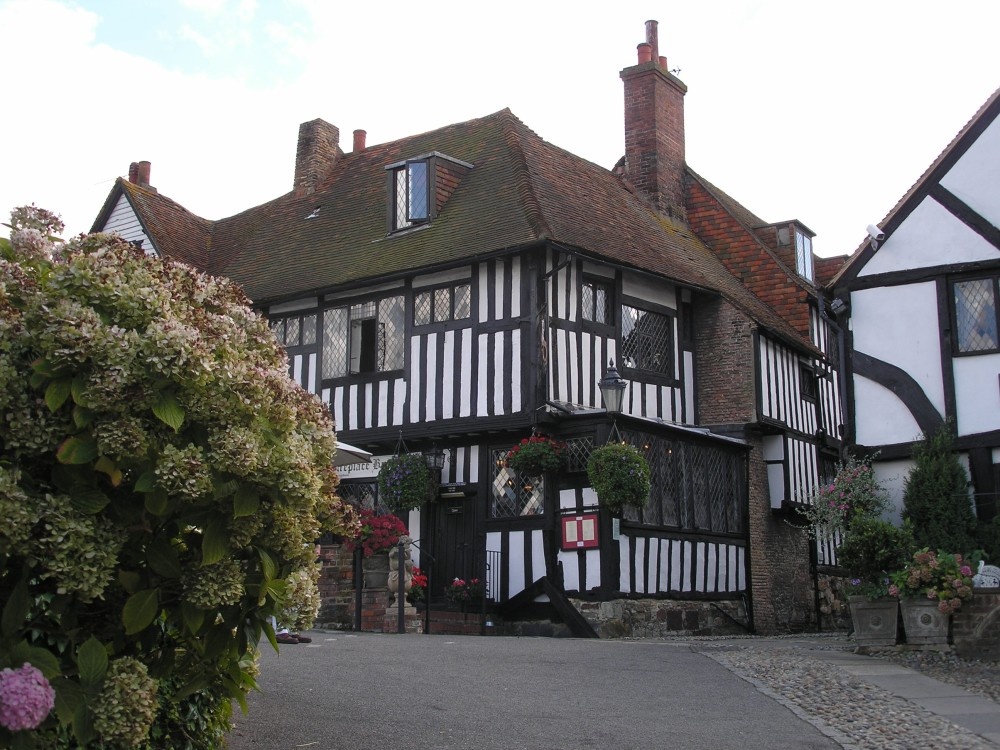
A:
468, 287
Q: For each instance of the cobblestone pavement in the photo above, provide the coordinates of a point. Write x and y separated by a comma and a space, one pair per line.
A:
822, 681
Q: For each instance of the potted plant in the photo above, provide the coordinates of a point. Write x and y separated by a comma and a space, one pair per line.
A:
417, 595
619, 475
405, 482
464, 592
930, 587
871, 550
535, 455
378, 535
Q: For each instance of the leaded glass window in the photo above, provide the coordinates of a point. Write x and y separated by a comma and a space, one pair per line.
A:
694, 486
366, 337
595, 302
976, 315
647, 341
442, 305
294, 330
410, 194
515, 494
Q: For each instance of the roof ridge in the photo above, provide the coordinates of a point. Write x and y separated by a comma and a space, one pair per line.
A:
525, 187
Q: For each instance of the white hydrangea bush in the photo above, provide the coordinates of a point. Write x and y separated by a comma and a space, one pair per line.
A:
162, 482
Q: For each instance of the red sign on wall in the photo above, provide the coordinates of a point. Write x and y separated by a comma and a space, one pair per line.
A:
579, 532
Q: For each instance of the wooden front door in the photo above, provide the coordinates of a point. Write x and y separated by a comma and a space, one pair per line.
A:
454, 544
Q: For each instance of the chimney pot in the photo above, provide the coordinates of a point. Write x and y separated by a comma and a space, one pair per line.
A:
645, 52
359, 140
142, 173
133, 172
651, 39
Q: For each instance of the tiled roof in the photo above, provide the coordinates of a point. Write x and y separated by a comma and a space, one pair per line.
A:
727, 227
521, 191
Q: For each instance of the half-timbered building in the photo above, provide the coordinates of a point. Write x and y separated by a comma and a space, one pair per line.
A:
466, 287
918, 304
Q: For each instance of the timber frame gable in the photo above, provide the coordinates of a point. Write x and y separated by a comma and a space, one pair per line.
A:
484, 305
919, 305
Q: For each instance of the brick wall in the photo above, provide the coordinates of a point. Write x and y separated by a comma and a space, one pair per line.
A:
975, 628
783, 590
781, 585
336, 588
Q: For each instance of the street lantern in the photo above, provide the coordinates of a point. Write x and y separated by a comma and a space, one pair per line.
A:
434, 458
612, 387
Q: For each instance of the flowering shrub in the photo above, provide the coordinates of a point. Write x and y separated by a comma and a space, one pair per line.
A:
404, 482
535, 455
418, 587
872, 549
161, 478
940, 576
377, 533
854, 491
461, 591
619, 475
26, 698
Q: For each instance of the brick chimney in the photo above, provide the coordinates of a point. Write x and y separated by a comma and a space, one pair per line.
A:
138, 174
315, 155
654, 128
359, 140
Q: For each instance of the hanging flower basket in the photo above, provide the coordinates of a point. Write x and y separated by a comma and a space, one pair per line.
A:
619, 475
536, 455
405, 482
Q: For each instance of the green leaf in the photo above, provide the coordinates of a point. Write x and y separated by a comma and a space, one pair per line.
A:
214, 543
77, 450
129, 580
69, 698
42, 366
163, 559
89, 502
217, 642
168, 410
157, 503
193, 616
57, 393
15, 611
92, 663
246, 501
77, 389
40, 658
196, 683
82, 416
140, 610
106, 466
146, 482
83, 726
267, 563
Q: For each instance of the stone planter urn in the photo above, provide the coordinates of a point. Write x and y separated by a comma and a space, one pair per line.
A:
923, 623
375, 569
874, 621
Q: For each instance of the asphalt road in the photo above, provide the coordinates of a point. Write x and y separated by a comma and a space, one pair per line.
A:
375, 692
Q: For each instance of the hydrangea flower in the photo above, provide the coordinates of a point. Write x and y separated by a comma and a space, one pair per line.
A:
26, 698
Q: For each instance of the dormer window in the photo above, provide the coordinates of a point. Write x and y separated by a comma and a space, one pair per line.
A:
803, 255
419, 188
410, 204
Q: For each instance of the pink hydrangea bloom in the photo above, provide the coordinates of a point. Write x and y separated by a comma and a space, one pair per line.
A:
26, 698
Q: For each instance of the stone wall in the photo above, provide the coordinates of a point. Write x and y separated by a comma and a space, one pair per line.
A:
975, 628
659, 618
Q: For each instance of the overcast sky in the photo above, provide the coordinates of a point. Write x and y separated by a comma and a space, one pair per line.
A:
822, 112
